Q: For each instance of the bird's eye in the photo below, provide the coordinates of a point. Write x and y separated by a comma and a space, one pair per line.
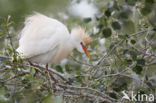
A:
81, 43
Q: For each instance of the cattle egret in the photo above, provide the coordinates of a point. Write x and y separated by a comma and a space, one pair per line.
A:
46, 40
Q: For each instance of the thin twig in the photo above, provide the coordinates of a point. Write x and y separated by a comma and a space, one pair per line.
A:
81, 62
131, 35
51, 70
83, 94
90, 89
140, 32
120, 73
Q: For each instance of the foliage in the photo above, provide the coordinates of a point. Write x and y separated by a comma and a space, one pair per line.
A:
124, 61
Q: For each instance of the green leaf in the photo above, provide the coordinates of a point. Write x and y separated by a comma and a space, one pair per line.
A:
131, 2
116, 25
125, 51
78, 73
140, 62
124, 15
14, 58
78, 79
133, 41
99, 26
108, 12
148, 7
128, 27
28, 86
146, 77
93, 86
149, 1
149, 84
4, 59
7, 48
3, 98
117, 89
1, 31
71, 80
137, 69
53, 99
87, 20
123, 36
133, 55
68, 69
75, 79
111, 46
123, 86
129, 61
107, 32
32, 71
8, 75
59, 69
113, 95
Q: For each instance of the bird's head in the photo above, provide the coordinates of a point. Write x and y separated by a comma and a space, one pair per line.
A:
80, 39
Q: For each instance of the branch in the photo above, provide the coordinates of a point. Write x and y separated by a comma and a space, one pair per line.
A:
102, 59
81, 62
131, 35
140, 32
120, 73
51, 70
101, 94
82, 94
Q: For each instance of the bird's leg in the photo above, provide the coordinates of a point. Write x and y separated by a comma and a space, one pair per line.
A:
51, 75
30, 63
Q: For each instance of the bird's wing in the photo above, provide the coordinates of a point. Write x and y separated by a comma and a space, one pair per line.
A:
41, 35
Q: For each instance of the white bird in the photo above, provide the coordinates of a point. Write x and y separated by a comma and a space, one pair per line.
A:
46, 40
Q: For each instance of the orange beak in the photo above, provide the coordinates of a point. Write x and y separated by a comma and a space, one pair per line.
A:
85, 50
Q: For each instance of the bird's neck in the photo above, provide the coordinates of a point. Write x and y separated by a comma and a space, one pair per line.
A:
72, 42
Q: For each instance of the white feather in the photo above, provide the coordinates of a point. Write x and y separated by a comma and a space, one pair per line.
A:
46, 40
40, 36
